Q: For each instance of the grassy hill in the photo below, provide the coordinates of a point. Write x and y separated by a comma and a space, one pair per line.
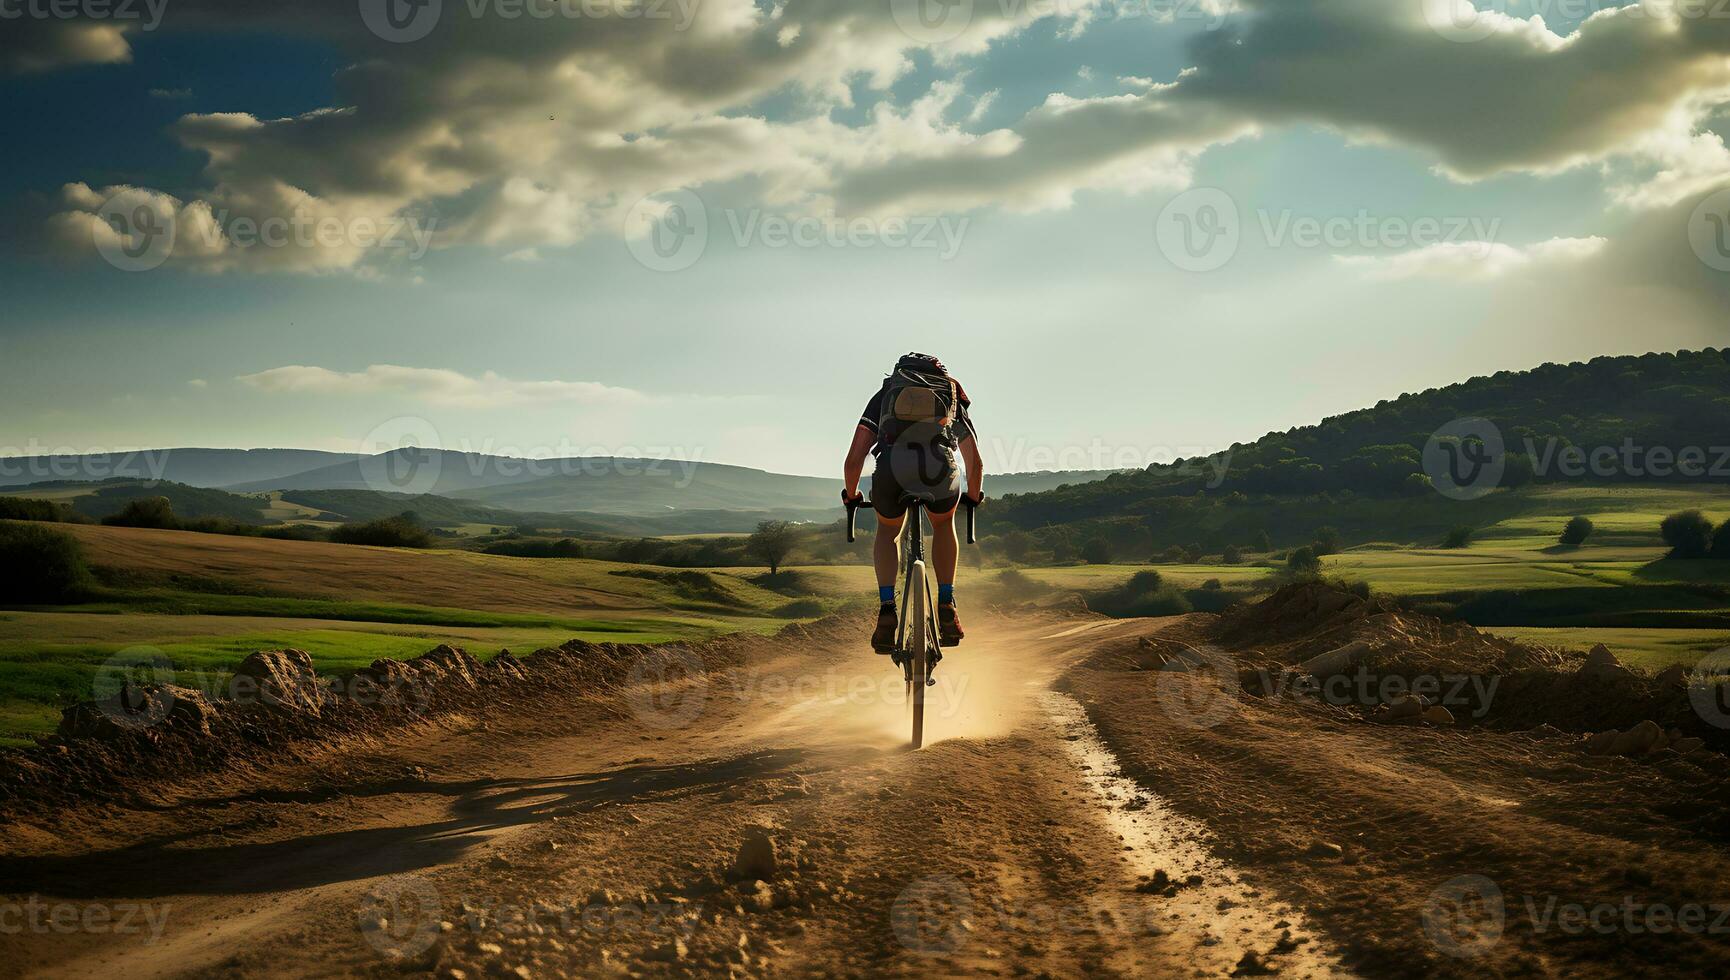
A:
1363, 471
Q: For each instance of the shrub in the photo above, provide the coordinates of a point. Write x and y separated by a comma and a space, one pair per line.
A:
1303, 561
1457, 537
27, 509
1721, 541
1231, 556
39, 564
1097, 551
1688, 533
1145, 580
1577, 531
145, 512
1327, 542
386, 532
1142, 595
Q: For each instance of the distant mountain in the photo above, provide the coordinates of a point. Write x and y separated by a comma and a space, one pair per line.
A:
642, 488
193, 467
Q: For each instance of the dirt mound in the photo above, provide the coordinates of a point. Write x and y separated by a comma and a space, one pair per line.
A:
1395, 666
277, 708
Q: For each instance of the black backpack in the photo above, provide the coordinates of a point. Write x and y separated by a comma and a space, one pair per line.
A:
919, 392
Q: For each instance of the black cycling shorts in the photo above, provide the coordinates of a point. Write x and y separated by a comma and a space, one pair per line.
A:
914, 469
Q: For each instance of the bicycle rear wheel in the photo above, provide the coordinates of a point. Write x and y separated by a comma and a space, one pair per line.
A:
918, 640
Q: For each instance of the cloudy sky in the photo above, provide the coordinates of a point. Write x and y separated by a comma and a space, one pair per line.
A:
704, 228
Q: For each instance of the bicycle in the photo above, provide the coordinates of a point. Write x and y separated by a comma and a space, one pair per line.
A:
916, 634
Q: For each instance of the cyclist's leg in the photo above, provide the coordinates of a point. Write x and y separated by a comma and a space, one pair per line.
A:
886, 551
944, 547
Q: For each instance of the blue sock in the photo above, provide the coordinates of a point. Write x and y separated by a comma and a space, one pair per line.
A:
945, 593
886, 593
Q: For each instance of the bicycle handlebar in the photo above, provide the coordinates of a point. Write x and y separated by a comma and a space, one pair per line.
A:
861, 503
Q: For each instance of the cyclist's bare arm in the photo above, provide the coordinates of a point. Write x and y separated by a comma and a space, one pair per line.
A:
854, 466
975, 466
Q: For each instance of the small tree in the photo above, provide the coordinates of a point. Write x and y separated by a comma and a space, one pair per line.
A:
1327, 541
1721, 541
770, 544
1688, 533
1303, 561
1457, 537
1261, 541
145, 512
1231, 556
1096, 551
1577, 531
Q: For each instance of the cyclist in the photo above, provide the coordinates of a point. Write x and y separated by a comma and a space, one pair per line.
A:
914, 425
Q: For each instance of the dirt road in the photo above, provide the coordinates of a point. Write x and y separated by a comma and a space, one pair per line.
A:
606, 837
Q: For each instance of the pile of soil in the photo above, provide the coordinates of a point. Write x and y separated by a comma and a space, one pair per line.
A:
1314, 631
277, 709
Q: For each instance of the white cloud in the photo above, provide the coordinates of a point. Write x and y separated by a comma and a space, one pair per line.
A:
1472, 260
437, 386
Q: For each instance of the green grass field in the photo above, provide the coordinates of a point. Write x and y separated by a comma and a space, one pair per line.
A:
201, 603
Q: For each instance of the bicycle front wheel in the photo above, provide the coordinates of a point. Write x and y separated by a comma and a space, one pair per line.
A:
918, 646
